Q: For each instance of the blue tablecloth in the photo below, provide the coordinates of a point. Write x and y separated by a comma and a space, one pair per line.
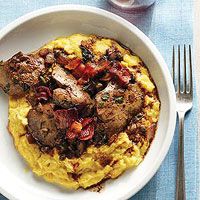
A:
168, 22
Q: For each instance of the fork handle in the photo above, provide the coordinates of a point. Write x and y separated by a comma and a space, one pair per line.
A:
180, 175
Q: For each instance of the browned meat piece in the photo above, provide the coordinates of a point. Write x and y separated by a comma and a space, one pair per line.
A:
115, 107
46, 108
71, 93
6, 83
60, 56
70, 97
62, 78
20, 73
42, 126
50, 58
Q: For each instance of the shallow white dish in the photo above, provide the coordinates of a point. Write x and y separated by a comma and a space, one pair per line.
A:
33, 30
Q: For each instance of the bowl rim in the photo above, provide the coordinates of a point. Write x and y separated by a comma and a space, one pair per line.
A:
7, 191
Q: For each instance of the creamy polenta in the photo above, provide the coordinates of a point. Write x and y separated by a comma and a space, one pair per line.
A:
97, 163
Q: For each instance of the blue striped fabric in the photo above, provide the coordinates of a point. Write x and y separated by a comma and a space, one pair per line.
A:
168, 22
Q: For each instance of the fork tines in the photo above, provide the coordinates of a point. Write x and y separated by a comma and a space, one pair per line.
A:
186, 82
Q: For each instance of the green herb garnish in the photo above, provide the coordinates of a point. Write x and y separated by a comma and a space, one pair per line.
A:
105, 97
119, 100
86, 87
43, 79
101, 104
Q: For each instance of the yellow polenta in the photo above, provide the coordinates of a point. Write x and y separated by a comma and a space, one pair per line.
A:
123, 153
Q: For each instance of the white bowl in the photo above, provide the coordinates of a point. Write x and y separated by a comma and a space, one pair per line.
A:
33, 30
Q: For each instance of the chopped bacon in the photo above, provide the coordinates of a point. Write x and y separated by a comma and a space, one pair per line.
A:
103, 65
79, 71
86, 121
88, 72
62, 59
87, 132
76, 127
121, 73
73, 63
70, 135
88, 128
83, 72
82, 129
91, 69
64, 118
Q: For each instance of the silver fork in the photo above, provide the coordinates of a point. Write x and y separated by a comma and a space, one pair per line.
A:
184, 97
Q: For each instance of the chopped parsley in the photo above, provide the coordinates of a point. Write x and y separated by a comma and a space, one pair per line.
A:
86, 87
119, 100
43, 79
101, 104
105, 97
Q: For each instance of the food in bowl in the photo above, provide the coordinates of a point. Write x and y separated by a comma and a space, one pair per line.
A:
82, 109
